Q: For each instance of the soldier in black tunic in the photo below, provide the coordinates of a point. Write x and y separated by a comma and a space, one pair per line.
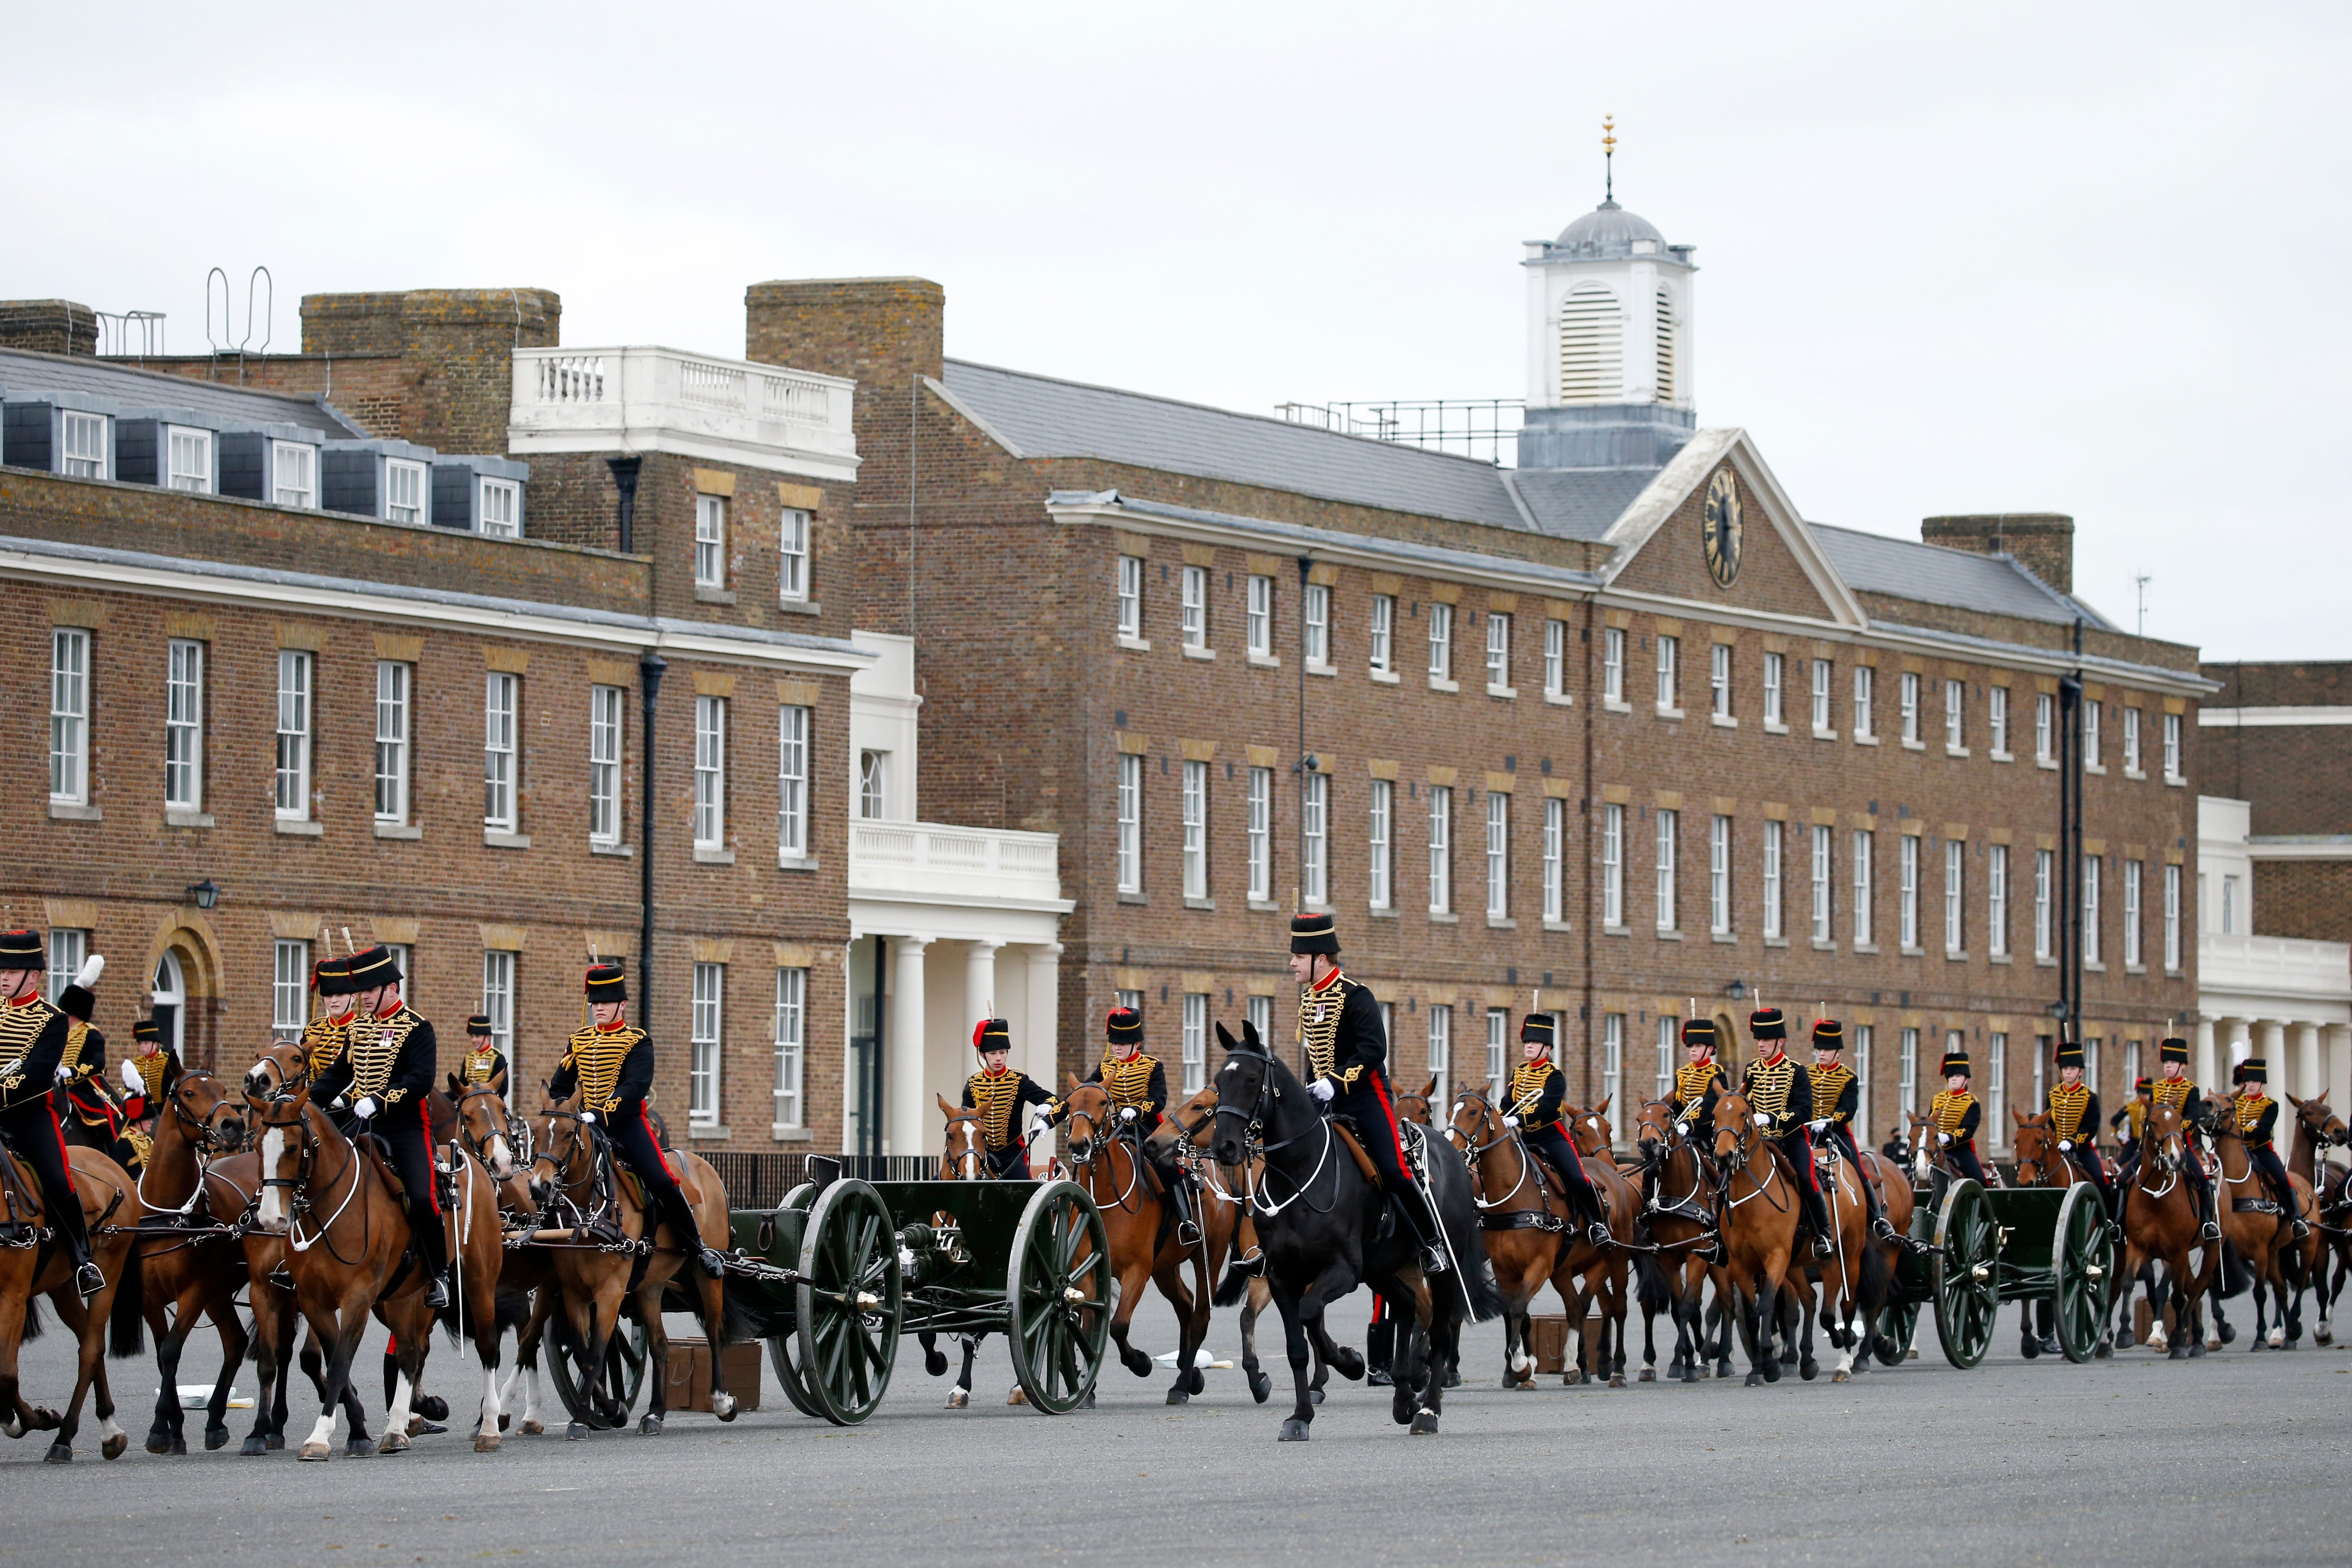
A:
1697, 1083
2174, 1088
1003, 1097
32, 1044
483, 1062
1837, 1098
610, 1065
2253, 1116
1346, 1050
82, 1090
1532, 1102
1136, 1085
379, 1083
1955, 1115
1779, 1096
2074, 1119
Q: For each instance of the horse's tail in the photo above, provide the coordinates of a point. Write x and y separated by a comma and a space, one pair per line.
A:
742, 1314
2235, 1277
1649, 1283
34, 1326
1877, 1275
1235, 1283
126, 1325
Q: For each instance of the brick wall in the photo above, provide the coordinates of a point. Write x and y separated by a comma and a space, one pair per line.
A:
2304, 898
49, 326
371, 390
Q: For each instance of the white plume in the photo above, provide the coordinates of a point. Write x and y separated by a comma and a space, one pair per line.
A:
91, 968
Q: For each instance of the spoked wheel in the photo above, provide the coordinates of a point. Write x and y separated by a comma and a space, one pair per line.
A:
1967, 1269
1898, 1322
784, 1345
2084, 1265
1057, 1293
850, 1306
619, 1380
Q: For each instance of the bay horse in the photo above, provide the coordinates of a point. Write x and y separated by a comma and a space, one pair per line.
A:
1591, 1134
616, 1248
1679, 1225
2042, 1164
2161, 1225
1319, 1221
2279, 1262
1108, 1160
1760, 1216
1532, 1238
32, 1265
2316, 1126
1854, 1278
501, 1141
347, 1240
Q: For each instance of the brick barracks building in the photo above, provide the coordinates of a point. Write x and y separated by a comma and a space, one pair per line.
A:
1615, 731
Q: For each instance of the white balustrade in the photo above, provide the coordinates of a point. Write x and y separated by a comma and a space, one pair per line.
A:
639, 399
953, 864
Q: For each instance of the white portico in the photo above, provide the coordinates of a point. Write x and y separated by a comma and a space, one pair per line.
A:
947, 925
2285, 999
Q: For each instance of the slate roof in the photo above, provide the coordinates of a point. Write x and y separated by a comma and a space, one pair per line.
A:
1577, 504
23, 373
1904, 569
1044, 418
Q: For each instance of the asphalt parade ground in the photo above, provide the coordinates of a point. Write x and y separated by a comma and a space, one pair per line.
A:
2235, 1459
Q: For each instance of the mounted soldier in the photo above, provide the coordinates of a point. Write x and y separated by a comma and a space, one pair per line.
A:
2174, 1088
2074, 1122
483, 1062
82, 1091
1698, 1081
147, 1075
335, 1004
1136, 1086
1346, 1050
2129, 1121
1955, 1115
610, 1065
1003, 1097
32, 1044
2254, 1115
1837, 1098
379, 1084
1532, 1102
1781, 1095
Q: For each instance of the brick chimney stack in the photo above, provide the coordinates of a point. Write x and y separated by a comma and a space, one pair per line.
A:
49, 326
880, 333
2042, 542
456, 351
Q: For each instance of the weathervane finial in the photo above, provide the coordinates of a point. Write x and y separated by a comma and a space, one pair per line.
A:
1609, 157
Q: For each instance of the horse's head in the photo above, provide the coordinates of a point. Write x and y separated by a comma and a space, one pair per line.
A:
1193, 1122
960, 1159
2038, 1161
1248, 1087
2163, 1140
1654, 1130
563, 1154
212, 1118
1590, 1130
2320, 1124
1919, 1140
1086, 1113
1732, 1129
1473, 1125
1413, 1105
279, 1083
482, 1123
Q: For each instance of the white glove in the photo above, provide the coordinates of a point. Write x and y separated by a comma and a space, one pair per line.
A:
1681, 1129
366, 1108
1943, 1138
1128, 1114
1510, 1122
130, 1079
2065, 1145
1820, 1126
1321, 1089
589, 1117
1762, 1121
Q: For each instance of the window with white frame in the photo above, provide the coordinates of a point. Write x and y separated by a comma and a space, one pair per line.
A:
2045, 712
1130, 824
1259, 1012
69, 716
792, 554
1719, 876
1259, 622
1996, 720
1555, 861
1498, 855
1954, 893
873, 785
793, 724
1861, 1043
1193, 605
604, 720
2091, 866
404, 490
293, 794
393, 679
1316, 624
1669, 830
1822, 675
1260, 835
1498, 1047
497, 1006
1195, 806
1314, 839
709, 772
1910, 690
1612, 664
1195, 1041
84, 455
188, 459
1383, 630
1906, 890
1612, 864
501, 507
791, 1047
711, 542
290, 988
1612, 1066
1996, 1116
1910, 1072
293, 474
1719, 679
2091, 714
1775, 846
68, 948
2131, 1062
2044, 868
1997, 899
1821, 899
183, 725
704, 1045
2135, 873
1864, 845
501, 710
2172, 748
1380, 845
1498, 649
1130, 596
1441, 849
1132, 1001
1865, 683
2041, 1060
2131, 740
1669, 673
1664, 1085
1555, 659
1776, 667
1441, 1049
1440, 642
2172, 919
1955, 698
2229, 906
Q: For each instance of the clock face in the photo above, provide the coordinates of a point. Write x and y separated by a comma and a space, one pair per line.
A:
1719, 528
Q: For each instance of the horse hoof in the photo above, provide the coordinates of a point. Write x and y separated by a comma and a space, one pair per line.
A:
1808, 1370
1314, 1396
1692, 1375
160, 1443
216, 1437
2030, 1348
528, 1429
724, 1406
358, 1448
650, 1426
486, 1442
1425, 1424
254, 1448
1199, 1381
1771, 1372
114, 1447
1260, 1385
316, 1453
958, 1398
393, 1441
1348, 1363
2196, 1353
577, 1430
2106, 1350
2255, 1344
1136, 1361
59, 1454
1571, 1377
276, 1441
2277, 1339
1755, 1380
2224, 1335
1617, 1379
1180, 1396
935, 1363
2178, 1352
1293, 1431
1019, 1395
1841, 1377
179, 1445
1649, 1375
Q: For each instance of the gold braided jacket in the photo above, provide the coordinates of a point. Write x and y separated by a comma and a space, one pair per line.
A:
1693, 1079
1767, 1086
1829, 1088
152, 1064
1128, 1080
2136, 1115
596, 1055
478, 1066
322, 1041
2067, 1106
1947, 1110
2172, 1091
374, 1047
993, 1095
1319, 1028
20, 1031
77, 1037
2246, 1112
1528, 1081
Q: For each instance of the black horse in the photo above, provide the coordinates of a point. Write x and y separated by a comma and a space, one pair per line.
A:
1319, 1224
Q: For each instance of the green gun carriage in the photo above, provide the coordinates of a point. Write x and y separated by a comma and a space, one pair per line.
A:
2010, 1244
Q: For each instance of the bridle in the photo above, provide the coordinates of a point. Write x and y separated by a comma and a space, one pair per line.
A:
2045, 1163
1095, 1144
204, 1141
1476, 1154
975, 1168
518, 1149
294, 1092
1256, 1170
1744, 1144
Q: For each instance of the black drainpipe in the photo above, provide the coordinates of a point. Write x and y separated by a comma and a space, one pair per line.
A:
649, 679
625, 479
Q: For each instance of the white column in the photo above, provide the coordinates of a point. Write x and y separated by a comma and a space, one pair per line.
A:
1043, 1044
980, 981
903, 1050
2208, 1064
2339, 1066
2309, 1074
2269, 1035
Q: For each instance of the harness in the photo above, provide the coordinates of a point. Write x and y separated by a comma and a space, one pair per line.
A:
1255, 1170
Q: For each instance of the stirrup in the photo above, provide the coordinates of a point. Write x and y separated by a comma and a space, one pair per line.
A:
1597, 1232
1188, 1233
1884, 1228
1823, 1247
2212, 1231
713, 1262
437, 1293
89, 1279
1432, 1259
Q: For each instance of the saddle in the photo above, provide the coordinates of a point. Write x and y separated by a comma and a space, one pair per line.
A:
1346, 1129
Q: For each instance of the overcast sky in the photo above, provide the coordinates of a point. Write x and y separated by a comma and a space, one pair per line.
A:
2081, 258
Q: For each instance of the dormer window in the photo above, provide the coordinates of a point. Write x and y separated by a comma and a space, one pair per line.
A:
293, 474
501, 507
84, 445
404, 490
189, 456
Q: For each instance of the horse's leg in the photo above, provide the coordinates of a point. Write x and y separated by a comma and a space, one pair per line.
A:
482, 1309
88, 1329
1809, 1301
935, 1360
411, 1323
1261, 1384
1346, 1360
960, 1394
649, 1301
234, 1340
1444, 1344
529, 1341
339, 1325
1131, 1282
164, 1433
1171, 1284
1294, 1335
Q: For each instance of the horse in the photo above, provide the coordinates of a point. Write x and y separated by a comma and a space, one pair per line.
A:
2279, 1262
963, 1157
1854, 1278
1680, 1223
501, 1141
1758, 1236
616, 1248
2316, 1127
2042, 1164
1591, 1134
2160, 1224
33, 1265
1319, 1219
309, 1168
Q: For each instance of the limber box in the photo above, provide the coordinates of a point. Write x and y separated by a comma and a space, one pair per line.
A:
1547, 1339
689, 1374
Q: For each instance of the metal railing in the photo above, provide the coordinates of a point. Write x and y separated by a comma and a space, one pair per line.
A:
1484, 428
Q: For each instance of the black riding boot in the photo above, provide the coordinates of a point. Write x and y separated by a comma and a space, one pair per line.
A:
679, 1214
1817, 1216
1414, 1207
1379, 1352
2211, 1221
432, 1249
1879, 1225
